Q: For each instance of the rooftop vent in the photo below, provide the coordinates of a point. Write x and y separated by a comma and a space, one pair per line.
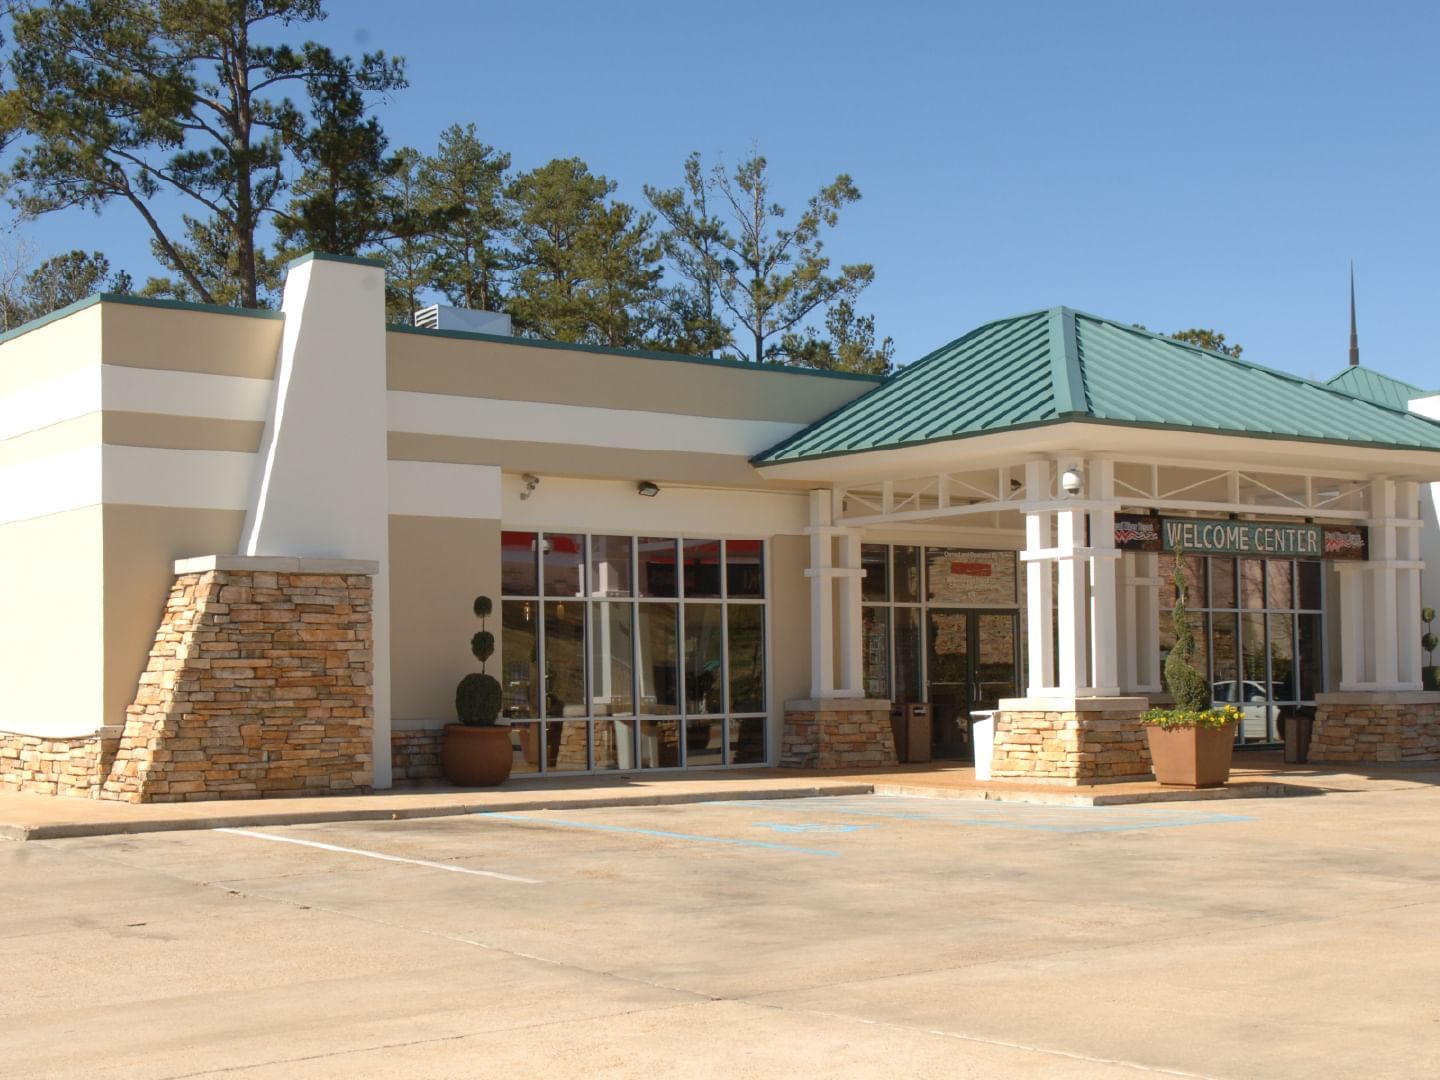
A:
445, 317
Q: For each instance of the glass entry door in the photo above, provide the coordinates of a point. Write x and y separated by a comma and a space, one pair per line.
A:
973, 662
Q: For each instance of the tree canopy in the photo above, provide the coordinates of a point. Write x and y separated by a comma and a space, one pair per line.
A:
131, 99
238, 152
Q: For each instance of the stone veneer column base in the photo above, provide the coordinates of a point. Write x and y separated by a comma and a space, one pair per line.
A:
1070, 741
415, 753
837, 733
1380, 727
57, 765
259, 683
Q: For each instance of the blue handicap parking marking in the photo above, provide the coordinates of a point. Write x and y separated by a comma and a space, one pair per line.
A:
993, 815
810, 826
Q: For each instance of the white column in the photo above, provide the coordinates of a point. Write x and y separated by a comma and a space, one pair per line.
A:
1070, 587
322, 488
1128, 596
1104, 625
1353, 618
849, 623
1384, 625
1407, 505
822, 627
1038, 592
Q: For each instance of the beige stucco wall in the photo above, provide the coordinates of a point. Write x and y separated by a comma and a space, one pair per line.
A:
141, 546
790, 628
178, 339
437, 568
52, 632
515, 371
50, 351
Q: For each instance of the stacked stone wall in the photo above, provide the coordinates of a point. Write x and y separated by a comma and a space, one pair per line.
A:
837, 735
415, 754
1070, 747
258, 684
48, 765
1376, 729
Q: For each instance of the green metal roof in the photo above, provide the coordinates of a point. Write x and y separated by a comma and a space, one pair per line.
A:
1060, 365
1363, 382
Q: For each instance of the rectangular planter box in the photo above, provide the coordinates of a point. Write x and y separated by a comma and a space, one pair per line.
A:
1197, 757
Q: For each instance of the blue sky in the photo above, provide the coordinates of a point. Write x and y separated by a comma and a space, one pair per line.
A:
1167, 164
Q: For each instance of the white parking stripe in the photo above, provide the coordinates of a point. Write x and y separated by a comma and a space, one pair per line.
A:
379, 855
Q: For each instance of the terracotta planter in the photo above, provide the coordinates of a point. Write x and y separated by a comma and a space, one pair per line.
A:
1195, 757
476, 756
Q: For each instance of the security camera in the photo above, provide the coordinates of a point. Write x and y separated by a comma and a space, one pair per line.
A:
1072, 480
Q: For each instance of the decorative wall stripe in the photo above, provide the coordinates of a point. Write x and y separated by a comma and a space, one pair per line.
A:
437, 414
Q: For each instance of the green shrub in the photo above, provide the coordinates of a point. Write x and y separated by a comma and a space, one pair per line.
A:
478, 698
1186, 685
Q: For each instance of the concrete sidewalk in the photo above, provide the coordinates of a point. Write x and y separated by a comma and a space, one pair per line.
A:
25, 816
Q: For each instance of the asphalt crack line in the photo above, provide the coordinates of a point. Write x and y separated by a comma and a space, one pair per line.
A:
438, 1039
960, 1037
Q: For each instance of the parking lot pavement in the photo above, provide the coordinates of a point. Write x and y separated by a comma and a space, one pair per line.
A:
848, 936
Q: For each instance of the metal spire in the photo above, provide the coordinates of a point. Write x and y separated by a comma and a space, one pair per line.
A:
1354, 340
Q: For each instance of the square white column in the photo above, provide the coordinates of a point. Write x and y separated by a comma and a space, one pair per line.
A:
1039, 594
1105, 641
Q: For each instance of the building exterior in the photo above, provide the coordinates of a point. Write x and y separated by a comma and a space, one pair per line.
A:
238, 549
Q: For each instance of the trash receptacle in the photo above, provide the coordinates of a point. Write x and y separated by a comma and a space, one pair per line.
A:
920, 725
1297, 736
982, 738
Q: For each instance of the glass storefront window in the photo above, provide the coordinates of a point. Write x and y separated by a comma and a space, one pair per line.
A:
1222, 583
1307, 585
1309, 656
563, 560
704, 692
702, 568
1280, 633
974, 578
517, 564
659, 663
1194, 583
566, 746
747, 740
601, 632
1261, 635
610, 566
876, 630
612, 660
659, 744
744, 569
875, 585
908, 643
1279, 581
906, 583
519, 636
1252, 584
658, 559
747, 657
704, 742
564, 659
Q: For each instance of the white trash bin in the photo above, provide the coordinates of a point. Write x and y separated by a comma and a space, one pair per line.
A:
982, 738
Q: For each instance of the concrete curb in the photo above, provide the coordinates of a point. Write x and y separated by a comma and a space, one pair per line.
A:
1059, 796
322, 815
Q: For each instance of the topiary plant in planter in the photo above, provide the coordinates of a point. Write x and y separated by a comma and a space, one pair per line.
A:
475, 752
1429, 642
1191, 743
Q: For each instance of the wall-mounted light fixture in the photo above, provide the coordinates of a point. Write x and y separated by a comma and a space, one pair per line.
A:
648, 488
1072, 480
531, 483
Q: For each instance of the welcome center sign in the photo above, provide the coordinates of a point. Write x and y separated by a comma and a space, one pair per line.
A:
1259, 539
